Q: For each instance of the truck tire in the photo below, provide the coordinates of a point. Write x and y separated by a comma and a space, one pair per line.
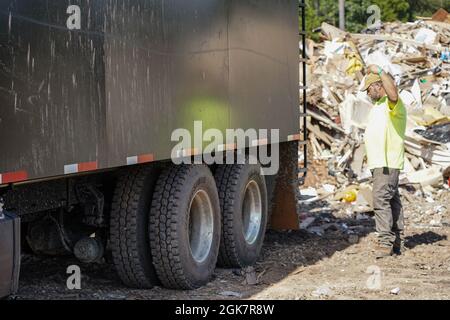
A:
185, 226
243, 201
129, 227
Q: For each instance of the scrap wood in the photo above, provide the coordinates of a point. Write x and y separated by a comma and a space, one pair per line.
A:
408, 197
339, 34
325, 137
382, 37
415, 55
440, 15
430, 153
325, 121
316, 143
314, 147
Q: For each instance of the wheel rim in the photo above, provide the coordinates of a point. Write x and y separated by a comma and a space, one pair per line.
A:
252, 212
201, 226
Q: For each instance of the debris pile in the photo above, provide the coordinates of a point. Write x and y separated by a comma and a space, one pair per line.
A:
416, 55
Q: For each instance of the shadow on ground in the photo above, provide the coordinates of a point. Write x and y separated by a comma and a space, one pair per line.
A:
428, 237
282, 254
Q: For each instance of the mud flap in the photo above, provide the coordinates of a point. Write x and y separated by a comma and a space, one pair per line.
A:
284, 207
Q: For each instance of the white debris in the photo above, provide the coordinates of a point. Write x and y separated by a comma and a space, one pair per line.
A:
230, 294
427, 177
317, 230
322, 291
360, 216
329, 188
425, 36
311, 192
307, 222
395, 291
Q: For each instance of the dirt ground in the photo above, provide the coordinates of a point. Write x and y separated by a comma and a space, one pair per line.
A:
293, 265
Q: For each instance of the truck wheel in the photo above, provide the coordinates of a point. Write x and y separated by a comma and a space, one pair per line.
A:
185, 226
243, 200
129, 227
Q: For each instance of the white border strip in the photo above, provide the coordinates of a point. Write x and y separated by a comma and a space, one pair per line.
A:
132, 160
71, 168
260, 142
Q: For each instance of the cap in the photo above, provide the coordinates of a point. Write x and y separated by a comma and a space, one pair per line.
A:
370, 79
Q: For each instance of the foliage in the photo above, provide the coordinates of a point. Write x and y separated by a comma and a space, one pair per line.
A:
319, 11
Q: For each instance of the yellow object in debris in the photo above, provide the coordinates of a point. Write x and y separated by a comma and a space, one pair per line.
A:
354, 65
350, 196
355, 62
339, 196
430, 116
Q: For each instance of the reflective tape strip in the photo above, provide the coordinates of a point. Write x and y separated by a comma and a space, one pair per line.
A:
11, 177
187, 152
87, 166
226, 147
260, 142
294, 137
144, 158
132, 160
70, 168
80, 167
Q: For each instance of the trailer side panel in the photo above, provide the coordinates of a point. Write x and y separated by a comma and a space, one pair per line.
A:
111, 92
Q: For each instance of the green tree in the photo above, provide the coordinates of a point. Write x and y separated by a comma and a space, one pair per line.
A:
319, 11
425, 8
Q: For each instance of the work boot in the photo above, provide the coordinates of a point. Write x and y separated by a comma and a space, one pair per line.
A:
399, 245
383, 251
399, 248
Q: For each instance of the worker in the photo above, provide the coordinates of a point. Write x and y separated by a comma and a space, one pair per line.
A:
384, 142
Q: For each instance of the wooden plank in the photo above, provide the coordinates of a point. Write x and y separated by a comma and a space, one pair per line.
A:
325, 121
320, 134
382, 37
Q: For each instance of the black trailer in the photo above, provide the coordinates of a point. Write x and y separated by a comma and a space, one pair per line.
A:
90, 94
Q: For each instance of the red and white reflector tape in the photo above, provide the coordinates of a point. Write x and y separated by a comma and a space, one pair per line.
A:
144, 158
80, 167
187, 152
260, 142
294, 137
226, 147
10, 177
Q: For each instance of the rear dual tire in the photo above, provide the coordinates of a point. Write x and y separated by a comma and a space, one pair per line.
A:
129, 227
185, 226
173, 227
243, 201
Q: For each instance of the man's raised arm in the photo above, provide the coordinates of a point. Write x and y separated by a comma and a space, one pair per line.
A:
388, 82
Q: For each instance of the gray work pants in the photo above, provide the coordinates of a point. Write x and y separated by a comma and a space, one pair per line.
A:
388, 208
